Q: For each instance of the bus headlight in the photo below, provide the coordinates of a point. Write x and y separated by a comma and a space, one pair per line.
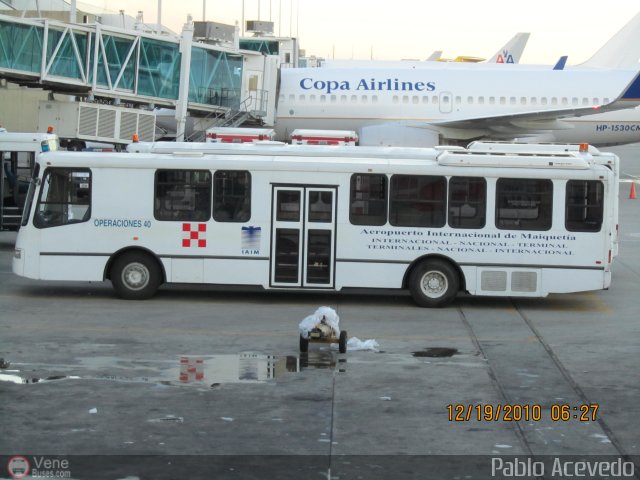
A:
17, 254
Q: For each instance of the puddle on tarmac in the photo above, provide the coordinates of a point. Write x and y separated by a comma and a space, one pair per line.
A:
198, 370
436, 352
10, 377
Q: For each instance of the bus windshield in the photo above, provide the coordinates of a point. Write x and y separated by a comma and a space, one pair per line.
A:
65, 197
33, 185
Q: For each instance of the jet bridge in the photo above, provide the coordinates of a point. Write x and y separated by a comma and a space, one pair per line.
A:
94, 61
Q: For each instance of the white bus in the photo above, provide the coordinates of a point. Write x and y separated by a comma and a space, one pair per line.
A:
607, 159
18, 153
435, 224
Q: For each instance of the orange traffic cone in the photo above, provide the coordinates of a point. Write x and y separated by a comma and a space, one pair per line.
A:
632, 192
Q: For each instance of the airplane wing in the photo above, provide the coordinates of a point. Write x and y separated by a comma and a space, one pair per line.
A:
515, 124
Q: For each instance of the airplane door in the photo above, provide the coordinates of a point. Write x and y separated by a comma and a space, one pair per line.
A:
303, 237
445, 102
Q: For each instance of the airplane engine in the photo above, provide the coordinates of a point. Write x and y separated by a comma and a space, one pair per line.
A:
396, 135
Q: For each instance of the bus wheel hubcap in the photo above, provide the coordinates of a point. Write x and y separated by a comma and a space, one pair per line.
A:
434, 284
135, 276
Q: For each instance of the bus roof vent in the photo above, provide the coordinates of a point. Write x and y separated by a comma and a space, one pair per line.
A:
513, 160
519, 147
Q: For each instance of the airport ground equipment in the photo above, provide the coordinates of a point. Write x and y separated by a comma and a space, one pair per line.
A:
319, 335
324, 137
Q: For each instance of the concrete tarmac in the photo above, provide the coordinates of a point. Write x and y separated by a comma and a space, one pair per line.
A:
96, 381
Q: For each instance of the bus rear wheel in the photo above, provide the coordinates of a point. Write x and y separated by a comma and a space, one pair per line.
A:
434, 283
135, 276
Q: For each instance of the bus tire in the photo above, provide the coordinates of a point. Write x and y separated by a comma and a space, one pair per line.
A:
304, 344
434, 283
135, 276
342, 343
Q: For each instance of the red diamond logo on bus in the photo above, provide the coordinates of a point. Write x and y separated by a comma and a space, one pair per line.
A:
194, 235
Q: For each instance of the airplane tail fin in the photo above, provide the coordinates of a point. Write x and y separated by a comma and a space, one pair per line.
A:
435, 56
621, 51
512, 51
562, 61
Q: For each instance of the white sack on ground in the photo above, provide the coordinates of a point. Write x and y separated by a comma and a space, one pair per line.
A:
355, 343
322, 316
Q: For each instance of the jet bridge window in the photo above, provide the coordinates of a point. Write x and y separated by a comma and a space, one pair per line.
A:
524, 204
418, 201
467, 202
65, 197
182, 195
368, 199
584, 205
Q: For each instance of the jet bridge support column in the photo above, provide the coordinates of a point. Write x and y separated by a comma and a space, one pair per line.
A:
185, 68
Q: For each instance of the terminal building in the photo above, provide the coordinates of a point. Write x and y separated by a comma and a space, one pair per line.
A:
102, 77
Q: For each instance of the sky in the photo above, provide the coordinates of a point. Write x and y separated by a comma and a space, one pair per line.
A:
411, 29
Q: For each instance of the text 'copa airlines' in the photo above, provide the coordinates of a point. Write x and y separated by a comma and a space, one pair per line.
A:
390, 85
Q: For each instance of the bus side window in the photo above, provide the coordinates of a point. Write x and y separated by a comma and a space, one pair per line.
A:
584, 205
368, 199
524, 203
182, 195
467, 202
65, 197
231, 196
418, 201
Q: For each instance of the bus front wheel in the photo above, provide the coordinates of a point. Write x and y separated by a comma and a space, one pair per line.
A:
135, 276
434, 283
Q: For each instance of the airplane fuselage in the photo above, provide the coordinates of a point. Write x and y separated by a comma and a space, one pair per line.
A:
458, 101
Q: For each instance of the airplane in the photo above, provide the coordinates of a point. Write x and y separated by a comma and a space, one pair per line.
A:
456, 102
509, 54
601, 129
